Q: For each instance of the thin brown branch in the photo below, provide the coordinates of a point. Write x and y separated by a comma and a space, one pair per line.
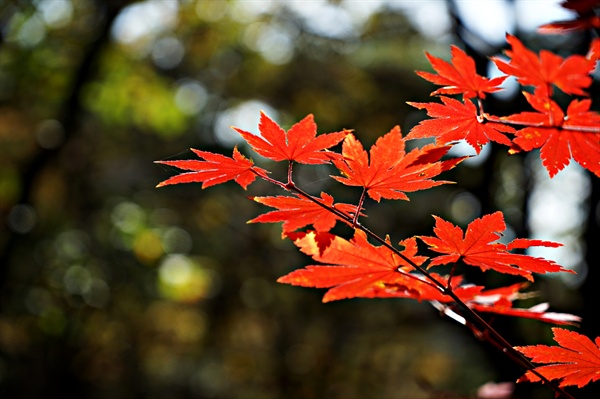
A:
584, 129
490, 333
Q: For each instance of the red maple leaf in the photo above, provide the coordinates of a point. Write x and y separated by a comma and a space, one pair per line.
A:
576, 361
581, 6
594, 51
214, 169
571, 74
500, 301
454, 121
557, 144
460, 76
479, 247
296, 213
586, 19
536, 312
300, 143
357, 268
581, 23
391, 171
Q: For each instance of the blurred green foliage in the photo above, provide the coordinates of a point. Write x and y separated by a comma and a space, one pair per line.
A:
111, 288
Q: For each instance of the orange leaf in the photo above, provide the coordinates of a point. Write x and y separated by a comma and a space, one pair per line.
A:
460, 76
576, 361
479, 247
300, 143
454, 121
391, 171
580, 6
581, 23
537, 312
594, 51
214, 169
559, 145
500, 301
296, 213
571, 74
586, 18
357, 268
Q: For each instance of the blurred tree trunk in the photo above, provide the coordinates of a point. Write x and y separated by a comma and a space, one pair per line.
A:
61, 380
70, 112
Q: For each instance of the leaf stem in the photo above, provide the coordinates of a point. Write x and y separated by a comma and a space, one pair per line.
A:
290, 172
480, 113
359, 207
449, 286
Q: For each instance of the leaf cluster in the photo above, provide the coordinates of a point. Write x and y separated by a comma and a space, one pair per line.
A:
367, 265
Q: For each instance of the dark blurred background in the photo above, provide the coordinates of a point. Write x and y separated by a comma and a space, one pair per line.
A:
111, 288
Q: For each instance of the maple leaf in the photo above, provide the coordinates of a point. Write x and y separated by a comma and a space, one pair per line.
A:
478, 247
460, 76
455, 120
581, 23
594, 51
296, 213
571, 74
214, 169
300, 143
357, 268
576, 361
559, 145
500, 301
580, 6
536, 312
391, 171
586, 18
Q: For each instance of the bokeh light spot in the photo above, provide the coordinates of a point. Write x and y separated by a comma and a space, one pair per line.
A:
190, 97
465, 207
487, 19
22, 218
462, 148
529, 17
97, 294
127, 217
50, 134
56, 13
557, 212
32, 32
177, 240
274, 42
167, 52
182, 279
324, 18
77, 280
211, 11
510, 87
148, 246
71, 244
143, 19
245, 115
